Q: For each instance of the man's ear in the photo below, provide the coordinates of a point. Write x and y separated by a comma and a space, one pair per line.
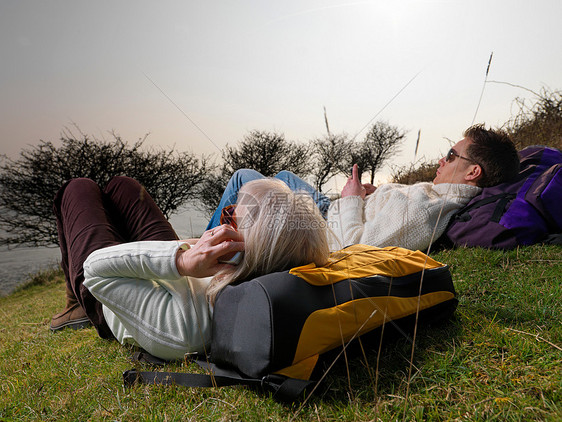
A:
473, 174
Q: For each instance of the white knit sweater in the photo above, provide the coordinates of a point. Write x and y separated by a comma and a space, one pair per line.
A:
145, 300
410, 216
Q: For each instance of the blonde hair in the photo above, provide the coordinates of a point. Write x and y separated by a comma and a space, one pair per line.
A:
282, 229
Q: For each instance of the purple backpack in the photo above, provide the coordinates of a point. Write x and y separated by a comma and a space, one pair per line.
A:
524, 211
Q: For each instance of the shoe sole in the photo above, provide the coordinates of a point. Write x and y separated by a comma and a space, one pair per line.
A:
75, 324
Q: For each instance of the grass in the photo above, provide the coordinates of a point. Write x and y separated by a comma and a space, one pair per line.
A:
500, 358
44, 277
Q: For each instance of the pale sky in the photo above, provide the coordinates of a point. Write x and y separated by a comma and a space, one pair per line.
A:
235, 66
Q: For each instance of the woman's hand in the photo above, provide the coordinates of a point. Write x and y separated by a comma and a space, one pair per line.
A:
202, 259
353, 187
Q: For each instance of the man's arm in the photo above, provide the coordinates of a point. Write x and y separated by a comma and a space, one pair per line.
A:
345, 219
369, 189
353, 187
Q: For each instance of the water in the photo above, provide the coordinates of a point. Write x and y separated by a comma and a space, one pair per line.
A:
189, 223
17, 264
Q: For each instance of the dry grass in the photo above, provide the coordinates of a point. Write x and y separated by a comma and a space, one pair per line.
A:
538, 123
415, 172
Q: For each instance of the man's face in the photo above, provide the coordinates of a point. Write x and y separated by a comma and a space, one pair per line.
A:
456, 169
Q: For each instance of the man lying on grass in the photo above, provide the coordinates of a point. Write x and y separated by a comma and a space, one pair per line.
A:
409, 216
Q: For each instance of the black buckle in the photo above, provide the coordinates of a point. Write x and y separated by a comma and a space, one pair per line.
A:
130, 377
272, 381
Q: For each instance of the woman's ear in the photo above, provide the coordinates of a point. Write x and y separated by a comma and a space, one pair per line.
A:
474, 173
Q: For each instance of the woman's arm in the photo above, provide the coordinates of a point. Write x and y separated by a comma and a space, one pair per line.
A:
145, 297
140, 260
166, 259
142, 288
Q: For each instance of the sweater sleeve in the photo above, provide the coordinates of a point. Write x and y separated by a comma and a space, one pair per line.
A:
145, 298
346, 221
146, 260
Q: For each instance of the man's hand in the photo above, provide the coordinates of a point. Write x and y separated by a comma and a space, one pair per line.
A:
369, 189
202, 259
353, 187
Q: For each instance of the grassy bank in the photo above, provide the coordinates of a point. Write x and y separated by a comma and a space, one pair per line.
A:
499, 359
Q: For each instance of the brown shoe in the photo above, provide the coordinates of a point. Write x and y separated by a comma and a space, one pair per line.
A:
73, 316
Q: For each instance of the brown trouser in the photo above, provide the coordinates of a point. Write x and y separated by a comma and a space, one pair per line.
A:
89, 219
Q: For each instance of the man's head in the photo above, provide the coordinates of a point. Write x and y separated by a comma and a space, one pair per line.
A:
484, 157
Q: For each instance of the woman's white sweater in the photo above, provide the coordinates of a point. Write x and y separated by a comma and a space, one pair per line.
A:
145, 300
410, 216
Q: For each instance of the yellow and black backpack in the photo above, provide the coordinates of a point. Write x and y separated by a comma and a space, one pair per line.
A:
271, 331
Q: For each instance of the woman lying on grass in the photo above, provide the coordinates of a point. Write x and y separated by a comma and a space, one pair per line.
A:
128, 273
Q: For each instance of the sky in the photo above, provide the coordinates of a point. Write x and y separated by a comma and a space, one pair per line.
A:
197, 75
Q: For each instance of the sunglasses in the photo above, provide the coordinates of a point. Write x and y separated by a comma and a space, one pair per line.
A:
452, 153
227, 216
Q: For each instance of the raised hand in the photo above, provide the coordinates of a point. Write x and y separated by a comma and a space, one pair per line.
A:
353, 187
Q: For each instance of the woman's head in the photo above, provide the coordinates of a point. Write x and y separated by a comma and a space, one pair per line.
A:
281, 229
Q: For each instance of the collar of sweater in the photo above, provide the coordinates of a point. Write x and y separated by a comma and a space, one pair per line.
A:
457, 189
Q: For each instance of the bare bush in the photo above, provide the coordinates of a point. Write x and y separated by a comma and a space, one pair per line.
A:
380, 143
29, 183
329, 151
265, 152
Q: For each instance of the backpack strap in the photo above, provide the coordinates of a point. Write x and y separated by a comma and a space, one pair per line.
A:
502, 199
143, 356
501, 207
553, 239
283, 388
132, 376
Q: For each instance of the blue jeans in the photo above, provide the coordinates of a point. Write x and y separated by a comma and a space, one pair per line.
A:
240, 177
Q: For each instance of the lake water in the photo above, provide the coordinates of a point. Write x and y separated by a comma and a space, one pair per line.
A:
17, 264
